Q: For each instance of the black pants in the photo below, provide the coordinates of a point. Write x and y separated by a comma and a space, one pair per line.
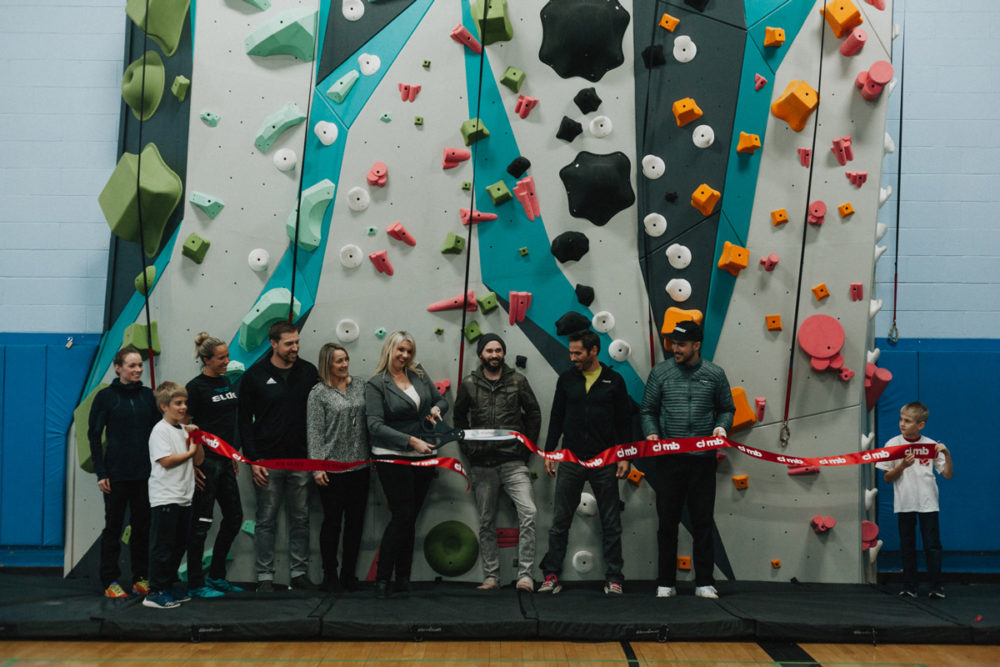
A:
134, 495
168, 539
221, 487
690, 479
931, 537
405, 489
570, 478
344, 501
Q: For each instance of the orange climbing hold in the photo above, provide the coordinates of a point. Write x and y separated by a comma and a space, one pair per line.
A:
796, 104
734, 258
820, 291
683, 562
845, 209
635, 476
668, 22
673, 315
773, 322
842, 15
779, 216
776, 563
685, 111
774, 36
705, 198
744, 417
749, 143
741, 481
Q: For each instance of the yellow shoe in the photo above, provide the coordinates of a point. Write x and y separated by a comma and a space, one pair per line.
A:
141, 586
115, 591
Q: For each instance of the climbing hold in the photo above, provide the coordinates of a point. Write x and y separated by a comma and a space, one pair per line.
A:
583, 561
584, 294
212, 206
326, 132
462, 35
871, 83
467, 186
524, 190
352, 10
842, 149
570, 322
655, 224
820, 291
521, 361
442, 386
140, 94
587, 505
587, 100
473, 130
841, 15
857, 178
524, 105
760, 403
774, 36
499, 193
451, 548
570, 246
418, 120
210, 118
378, 175
668, 22
773, 322
685, 110
518, 166
779, 216
371, 230
386, 117
845, 209
703, 136
381, 332
684, 49
142, 338
796, 104
519, 302
161, 190
292, 32
883, 195
369, 63
741, 481
513, 78
795, 471
258, 259
347, 331
872, 355
285, 159
684, 563
748, 143
870, 495
408, 92
679, 289
358, 199
583, 38
867, 440
438, 331
653, 167
492, 21
381, 261
603, 322
598, 186
816, 212
453, 244
821, 337
805, 156
652, 56
81, 424
488, 302
314, 202
635, 476
600, 126
342, 87
745, 416
769, 262
854, 43
759, 81
145, 280
271, 307
678, 255
397, 231
195, 247
869, 534
259, 4
569, 129
888, 145
163, 23
453, 156
876, 380
704, 198
284, 118
468, 216
874, 306
472, 331
466, 301
523, 251
776, 563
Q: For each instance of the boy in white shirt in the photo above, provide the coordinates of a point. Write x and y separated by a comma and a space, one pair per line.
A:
915, 495
171, 487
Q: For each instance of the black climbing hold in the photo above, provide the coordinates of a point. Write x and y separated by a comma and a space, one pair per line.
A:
697, 4
583, 37
588, 100
670, 197
571, 322
653, 56
570, 246
521, 361
518, 166
598, 186
585, 294
569, 129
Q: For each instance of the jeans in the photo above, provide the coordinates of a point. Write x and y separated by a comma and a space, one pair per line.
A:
931, 537
512, 477
169, 533
691, 479
344, 501
292, 487
133, 494
405, 490
569, 485
221, 486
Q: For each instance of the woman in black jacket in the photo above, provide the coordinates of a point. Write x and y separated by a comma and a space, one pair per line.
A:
399, 398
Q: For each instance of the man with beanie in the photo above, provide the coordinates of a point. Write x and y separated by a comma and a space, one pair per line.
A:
496, 396
686, 397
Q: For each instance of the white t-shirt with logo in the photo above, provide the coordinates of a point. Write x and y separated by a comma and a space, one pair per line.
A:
173, 486
916, 489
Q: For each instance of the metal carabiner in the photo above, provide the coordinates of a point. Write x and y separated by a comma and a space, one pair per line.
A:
893, 336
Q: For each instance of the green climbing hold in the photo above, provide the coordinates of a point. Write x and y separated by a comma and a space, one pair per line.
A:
210, 118
315, 201
418, 120
488, 302
371, 231
472, 331
427, 64
342, 87
499, 193
292, 33
249, 526
453, 244
195, 248
145, 280
386, 117
287, 116
145, 95
135, 334
180, 87
207, 203
164, 23
438, 331
474, 130
466, 185
495, 26
523, 250
451, 548
381, 332
513, 78
81, 424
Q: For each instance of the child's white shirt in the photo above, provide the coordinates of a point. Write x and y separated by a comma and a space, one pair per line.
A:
916, 489
173, 486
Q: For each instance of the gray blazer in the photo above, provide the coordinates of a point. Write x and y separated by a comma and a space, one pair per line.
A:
392, 416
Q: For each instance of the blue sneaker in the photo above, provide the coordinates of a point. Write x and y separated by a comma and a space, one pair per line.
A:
206, 592
159, 600
180, 594
223, 585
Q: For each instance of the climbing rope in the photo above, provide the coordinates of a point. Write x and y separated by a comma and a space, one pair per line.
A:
893, 335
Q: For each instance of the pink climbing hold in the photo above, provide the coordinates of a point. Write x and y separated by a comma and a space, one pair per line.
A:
524, 105
381, 261
453, 156
760, 403
466, 301
525, 193
816, 213
462, 35
769, 262
468, 216
508, 537
822, 337
821, 524
378, 175
857, 291
869, 534
842, 149
858, 178
519, 302
795, 471
876, 380
877, 4
758, 82
408, 91
805, 156
855, 40
872, 82
397, 231
442, 386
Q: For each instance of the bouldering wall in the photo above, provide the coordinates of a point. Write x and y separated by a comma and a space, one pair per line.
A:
568, 163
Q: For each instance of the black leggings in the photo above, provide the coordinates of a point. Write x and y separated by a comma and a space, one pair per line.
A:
221, 487
405, 489
344, 501
134, 495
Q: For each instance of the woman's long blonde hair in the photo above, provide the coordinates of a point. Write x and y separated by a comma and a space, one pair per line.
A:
392, 341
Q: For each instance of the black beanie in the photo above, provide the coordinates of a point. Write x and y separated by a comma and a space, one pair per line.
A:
486, 338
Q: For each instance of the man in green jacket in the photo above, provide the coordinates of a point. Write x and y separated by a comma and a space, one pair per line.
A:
686, 397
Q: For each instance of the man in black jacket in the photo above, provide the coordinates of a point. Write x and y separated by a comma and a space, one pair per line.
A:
272, 419
590, 412
497, 396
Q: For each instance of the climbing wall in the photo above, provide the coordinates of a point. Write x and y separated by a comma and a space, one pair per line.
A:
617, 171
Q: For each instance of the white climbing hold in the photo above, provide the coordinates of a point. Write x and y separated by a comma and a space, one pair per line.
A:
873, 552
884, 194
352, 9
347, 331
351, 256
326, 132
285, 159
678, 255
879, 251
601, 126
619, 350
583, 561
684, 49
891, 86
895, 30
880, 229
703, 136
888, 144
258, 259
874, 306
655, 224
872, 356
358, 198
588, 505
369, 63
679, 289
866, 441
653, 167
870, 499
603, 322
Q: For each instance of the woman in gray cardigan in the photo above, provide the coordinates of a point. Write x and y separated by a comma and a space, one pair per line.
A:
399, 399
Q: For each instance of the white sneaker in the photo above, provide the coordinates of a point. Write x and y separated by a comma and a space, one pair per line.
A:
706, 592
666, 591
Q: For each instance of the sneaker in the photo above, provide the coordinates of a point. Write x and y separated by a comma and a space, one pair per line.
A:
666, 591
265, 586
907, 593
223, 585
936, 594
160, 600
180, 594
115, 591
206, 592
526, 584
706, 592
613, 588
141, 586
489, 584
550, 585
302, 583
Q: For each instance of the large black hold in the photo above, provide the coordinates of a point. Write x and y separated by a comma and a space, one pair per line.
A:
598, 186
583, 37
570, 322
570, 246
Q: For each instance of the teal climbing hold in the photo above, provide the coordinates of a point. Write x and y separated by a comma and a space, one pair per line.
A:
135, 334
386, 117
144, 281
338, 91
249, 526
164, 22
234, 369
287, 116
315, 201
271, 307
209, 204
195, 248
210, 118
291, 33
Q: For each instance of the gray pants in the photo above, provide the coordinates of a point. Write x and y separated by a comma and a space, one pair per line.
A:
514, 478
292, 487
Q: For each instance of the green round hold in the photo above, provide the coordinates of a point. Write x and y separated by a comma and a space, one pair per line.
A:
451, 548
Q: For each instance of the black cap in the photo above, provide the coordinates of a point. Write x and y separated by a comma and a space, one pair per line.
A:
486, 338
686, 331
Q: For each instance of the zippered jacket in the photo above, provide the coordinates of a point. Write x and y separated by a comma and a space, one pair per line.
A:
125, 414
508, 404
589, 422
684, 400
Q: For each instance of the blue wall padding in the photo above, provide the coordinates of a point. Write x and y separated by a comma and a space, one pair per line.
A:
42, 383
